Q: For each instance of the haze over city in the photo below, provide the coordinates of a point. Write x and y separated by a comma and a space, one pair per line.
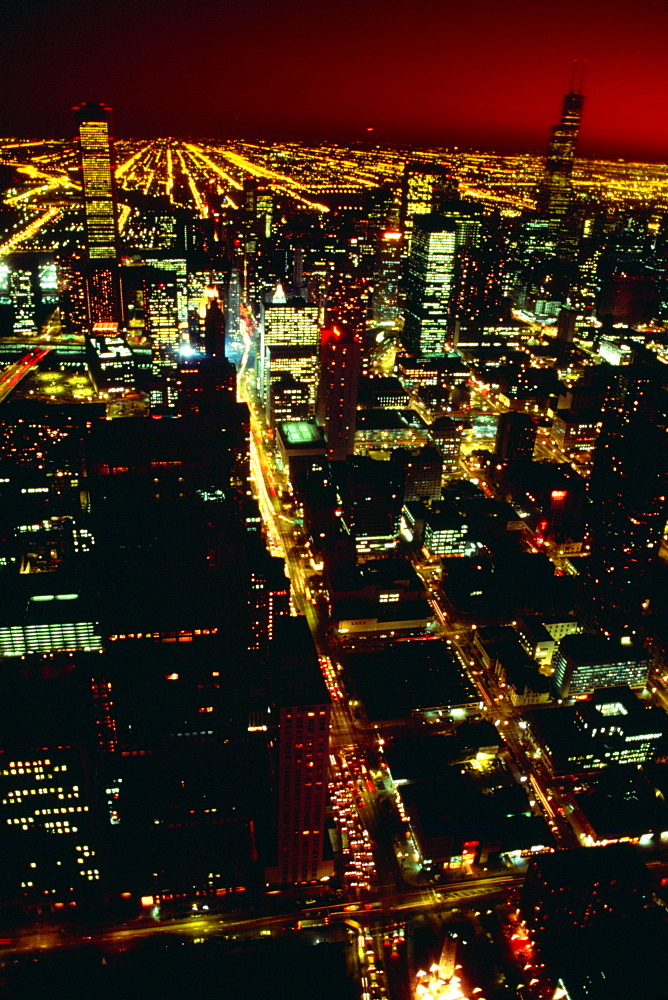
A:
481, 74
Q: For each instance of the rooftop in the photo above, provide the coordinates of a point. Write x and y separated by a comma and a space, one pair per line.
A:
301, 433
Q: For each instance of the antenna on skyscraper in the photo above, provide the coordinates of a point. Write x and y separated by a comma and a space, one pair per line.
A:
582, 76
578, 71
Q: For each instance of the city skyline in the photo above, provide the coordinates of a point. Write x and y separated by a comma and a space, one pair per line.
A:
333, 560
474, 76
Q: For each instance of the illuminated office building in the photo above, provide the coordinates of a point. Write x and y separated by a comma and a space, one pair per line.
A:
286, 324
259, 204
49, 623
422, 471
205, 385
46, 828
99, 188
5, 300
175, 269
371, 493
288, 400
48, 282
299, 362
23, 301
430, 274
110, 361
385, 301
72, 296
234, 338
586, 662
350, 289
423, 187
103, 292
446, 435
268, 597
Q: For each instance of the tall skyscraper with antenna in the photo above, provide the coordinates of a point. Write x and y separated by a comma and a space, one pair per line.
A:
557, 189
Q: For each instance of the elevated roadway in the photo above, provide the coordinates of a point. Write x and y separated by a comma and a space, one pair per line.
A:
16, 372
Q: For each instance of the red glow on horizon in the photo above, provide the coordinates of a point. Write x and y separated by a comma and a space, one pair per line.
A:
499, 89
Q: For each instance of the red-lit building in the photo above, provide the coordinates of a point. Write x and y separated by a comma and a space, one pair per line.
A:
304, 708
340, 358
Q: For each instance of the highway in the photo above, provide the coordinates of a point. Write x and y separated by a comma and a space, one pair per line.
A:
12, 375
31, 228
376, 909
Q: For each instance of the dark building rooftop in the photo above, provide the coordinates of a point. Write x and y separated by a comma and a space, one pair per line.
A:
406, 676
296, 673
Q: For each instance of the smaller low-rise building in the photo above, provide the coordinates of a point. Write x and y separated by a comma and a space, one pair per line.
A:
536, 639
575, 431
586, 662
560, 626
614, 727
381, 393
502, 653
299, 439
356, 619
384, 430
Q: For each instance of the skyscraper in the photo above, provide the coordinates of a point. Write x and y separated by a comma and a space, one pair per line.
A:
303, 707
103, 293
557, 189
431, 268
22, 298
423, 187
99, 189
629, 493
294, 324
340, 357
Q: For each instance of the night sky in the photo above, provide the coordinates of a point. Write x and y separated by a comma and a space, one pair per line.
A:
485, 74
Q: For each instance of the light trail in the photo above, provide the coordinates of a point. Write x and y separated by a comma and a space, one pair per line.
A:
170, 175
502, 199
121, 170
198, 154
51, 184
29, 231
32, 171
197, 198
281, 181
12, 375
123, 216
